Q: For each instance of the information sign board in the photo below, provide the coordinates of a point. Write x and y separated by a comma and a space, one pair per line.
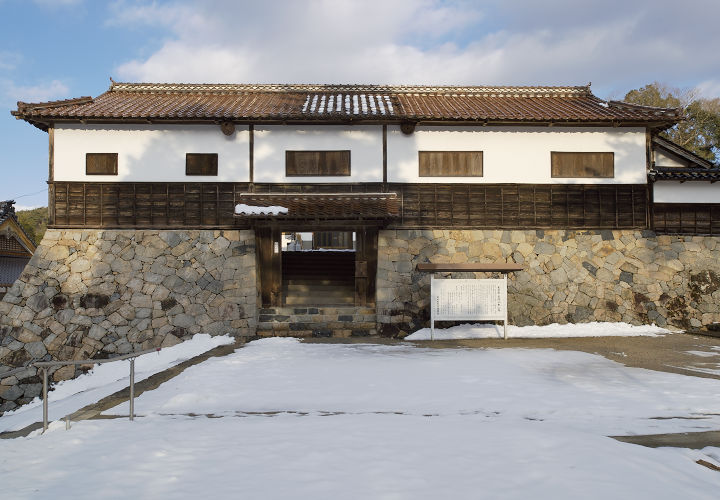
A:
468, 299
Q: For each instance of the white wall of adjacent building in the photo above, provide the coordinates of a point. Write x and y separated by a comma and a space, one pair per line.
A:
510, 154
686, 192
663, 159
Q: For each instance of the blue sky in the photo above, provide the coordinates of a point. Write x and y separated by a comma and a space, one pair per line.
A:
57, 49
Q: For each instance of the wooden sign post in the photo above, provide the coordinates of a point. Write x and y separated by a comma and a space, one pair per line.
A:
468, 299
472, 300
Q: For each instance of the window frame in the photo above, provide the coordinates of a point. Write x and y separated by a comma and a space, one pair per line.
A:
323, 162
113, 164
558, 154
213, 165
429, 173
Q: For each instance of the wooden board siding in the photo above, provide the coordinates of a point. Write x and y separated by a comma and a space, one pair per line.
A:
513, 206
134, 205
687, 218
479, 206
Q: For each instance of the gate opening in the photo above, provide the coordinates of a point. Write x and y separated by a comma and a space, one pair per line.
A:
318, 268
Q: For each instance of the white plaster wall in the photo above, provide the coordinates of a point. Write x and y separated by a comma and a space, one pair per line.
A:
665, 160
363, 141
150, 153
510, 154
517, 154
686, 192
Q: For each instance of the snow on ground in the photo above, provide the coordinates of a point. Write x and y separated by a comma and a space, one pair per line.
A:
490, 331
284, 419
704, 354
71, 395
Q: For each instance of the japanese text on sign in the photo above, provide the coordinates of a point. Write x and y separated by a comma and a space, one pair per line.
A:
469, 299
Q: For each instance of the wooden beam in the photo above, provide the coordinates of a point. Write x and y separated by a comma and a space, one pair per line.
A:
384, 160
251, 165
51, 154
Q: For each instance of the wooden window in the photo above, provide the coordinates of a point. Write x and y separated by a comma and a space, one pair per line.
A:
201, 164
101, 163
600, 165
450, 163
317, 163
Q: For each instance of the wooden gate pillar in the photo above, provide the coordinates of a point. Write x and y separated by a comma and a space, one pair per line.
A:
270, 265
366, 265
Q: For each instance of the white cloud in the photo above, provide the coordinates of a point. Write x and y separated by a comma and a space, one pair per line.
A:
709, 89
9, 60
10, 92
618, 46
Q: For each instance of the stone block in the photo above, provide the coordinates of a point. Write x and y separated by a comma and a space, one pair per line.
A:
38, 302
543, 248
11, 393
182, 320
36, 349
141, 300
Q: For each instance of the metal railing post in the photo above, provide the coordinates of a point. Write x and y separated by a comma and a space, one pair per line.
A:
46, 365
132, 388
45, 399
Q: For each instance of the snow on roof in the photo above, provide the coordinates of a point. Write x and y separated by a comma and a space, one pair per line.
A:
243, 209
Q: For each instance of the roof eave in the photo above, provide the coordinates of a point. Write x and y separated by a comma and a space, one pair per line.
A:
45, 122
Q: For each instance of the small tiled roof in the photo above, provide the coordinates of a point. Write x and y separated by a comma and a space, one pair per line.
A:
684, 174
7, 211
324, 206
333, 103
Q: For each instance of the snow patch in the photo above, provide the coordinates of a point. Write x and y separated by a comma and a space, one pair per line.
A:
490, 331
71, 395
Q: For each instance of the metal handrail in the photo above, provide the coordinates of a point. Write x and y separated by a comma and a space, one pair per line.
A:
45, 365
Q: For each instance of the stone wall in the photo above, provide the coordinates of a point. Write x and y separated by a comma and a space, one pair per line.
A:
570, 277
98, 293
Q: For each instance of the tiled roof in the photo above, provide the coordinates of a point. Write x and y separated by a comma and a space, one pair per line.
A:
684, 174
336, 206
229, 102
7, 211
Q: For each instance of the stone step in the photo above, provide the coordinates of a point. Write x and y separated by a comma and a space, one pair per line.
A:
319, 300
317, 333
320, 289
342, 321
322, 311
319, 281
